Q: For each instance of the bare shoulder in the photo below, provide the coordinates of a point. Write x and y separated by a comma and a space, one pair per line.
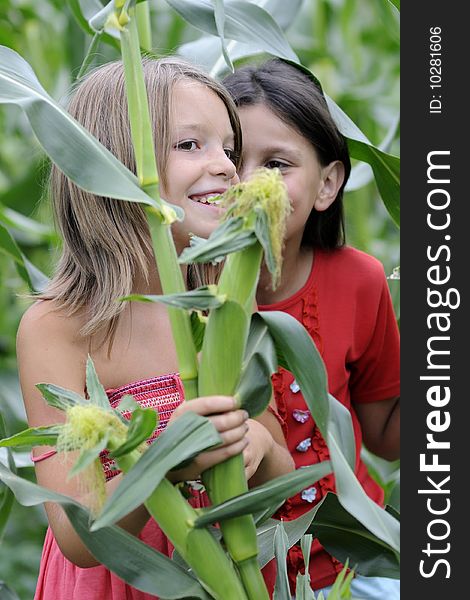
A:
49, 350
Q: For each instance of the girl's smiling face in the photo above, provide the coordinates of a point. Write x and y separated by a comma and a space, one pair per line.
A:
269, 142
201, 159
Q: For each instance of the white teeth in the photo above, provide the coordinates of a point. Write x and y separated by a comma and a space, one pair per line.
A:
207, 199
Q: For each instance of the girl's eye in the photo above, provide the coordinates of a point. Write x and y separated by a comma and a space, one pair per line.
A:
187, 145
276, 164
231, 154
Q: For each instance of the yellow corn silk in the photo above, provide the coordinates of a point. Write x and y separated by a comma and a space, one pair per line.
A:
264, 191
84, 429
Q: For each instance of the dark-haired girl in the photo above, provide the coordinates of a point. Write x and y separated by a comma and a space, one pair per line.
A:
338, 293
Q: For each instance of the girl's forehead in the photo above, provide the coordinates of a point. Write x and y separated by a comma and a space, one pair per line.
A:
260, 119
194, 105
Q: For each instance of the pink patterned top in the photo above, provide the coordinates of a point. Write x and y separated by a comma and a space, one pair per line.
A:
59, 579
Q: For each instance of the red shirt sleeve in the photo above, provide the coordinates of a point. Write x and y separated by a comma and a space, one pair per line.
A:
375, 374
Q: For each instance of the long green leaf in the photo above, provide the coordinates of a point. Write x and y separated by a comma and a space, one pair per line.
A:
265, 495
6, 495
386, 170
31, 275
203, 298
95, 389
294, 530
141, 427
386, 167
344, 537
133, 561
298, 349
82, 10
74, 150
244, 21
255, 389
206, 50
34, 436
59, 397
6, 593
281, 588
219, 16
228, 237
302, 358
355, 500
182, 440
33, 231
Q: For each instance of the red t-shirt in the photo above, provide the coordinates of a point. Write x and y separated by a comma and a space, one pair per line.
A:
346, 307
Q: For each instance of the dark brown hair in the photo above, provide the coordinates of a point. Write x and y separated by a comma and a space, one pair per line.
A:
297, 100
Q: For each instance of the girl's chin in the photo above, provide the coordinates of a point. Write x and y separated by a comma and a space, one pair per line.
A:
206, 209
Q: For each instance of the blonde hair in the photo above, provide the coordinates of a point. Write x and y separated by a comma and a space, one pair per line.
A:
106, 242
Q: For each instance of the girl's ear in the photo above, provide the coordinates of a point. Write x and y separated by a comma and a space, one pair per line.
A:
332, 177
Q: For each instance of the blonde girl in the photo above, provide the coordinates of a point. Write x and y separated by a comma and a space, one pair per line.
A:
106, 254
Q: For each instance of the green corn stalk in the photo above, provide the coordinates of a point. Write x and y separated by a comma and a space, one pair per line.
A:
159, 220
198, 547
89, 428
263, 205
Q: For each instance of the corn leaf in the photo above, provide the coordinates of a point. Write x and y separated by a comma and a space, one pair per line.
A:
95, 390
6, 593
45, 435
141, 427
198, 328
87, 457
59, 397
303, 590
30, 274
180, 441
6, 495
244, 21
206, 50
386, 167
84, 11
294, 530
133, 561
281, 588
344, 536
301, 357
74, 150
29, 229
265, 495
203, 298
219, 17
255, 388
230, 236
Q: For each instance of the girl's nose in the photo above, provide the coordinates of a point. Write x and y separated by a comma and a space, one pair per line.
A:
222, 165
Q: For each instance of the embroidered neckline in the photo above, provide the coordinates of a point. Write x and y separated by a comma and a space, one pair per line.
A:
287, 302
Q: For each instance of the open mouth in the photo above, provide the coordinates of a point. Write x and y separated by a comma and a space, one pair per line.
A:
209, 199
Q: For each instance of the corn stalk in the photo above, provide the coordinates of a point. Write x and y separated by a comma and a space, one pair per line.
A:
160, 219
257, 210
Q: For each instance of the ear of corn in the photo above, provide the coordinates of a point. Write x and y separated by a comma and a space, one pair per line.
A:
262, 204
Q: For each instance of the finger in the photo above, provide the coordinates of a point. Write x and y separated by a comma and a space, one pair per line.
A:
214, 457
229, 420
231, 436
208, 405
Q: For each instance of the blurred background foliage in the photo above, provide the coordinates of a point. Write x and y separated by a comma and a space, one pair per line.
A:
352, 46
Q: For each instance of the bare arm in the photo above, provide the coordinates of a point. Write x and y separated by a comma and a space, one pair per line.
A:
48, 352
267, 455
380, 423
